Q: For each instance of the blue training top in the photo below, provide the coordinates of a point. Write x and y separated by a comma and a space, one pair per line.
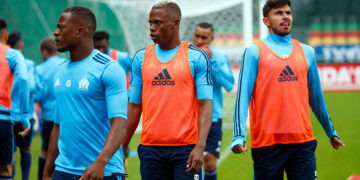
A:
281, 46
45, 74
222, 77
198, 64
17, 66
124, 60
88, 93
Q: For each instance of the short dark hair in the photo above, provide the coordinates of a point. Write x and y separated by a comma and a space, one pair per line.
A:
206, 25
100, 35
85, 14
49, 45
3, 24
271, 4
171, 6
13, 40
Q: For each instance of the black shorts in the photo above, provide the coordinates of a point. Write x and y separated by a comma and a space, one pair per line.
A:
7, 142
46, 128
23, 141
213, 142
297, 160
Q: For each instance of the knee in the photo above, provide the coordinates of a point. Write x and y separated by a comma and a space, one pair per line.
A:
25, 148
210, 162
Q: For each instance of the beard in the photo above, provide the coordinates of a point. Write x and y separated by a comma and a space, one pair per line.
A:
277, 31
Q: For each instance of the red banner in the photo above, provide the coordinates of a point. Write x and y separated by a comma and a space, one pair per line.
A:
340, 77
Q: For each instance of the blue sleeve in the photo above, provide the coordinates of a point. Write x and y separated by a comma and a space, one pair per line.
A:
31, 75
202, 76
57, 118
39, 85
316, 97
247, 78
136, 81
125, 60
222, 73
17, 65
114, 82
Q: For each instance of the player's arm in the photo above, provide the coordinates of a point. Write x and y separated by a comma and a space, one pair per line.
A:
204, 91
135, 104
317, 101
222, 73
246, 83
53, 150
17, 65
114, 82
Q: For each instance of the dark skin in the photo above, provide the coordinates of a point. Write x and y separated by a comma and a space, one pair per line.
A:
279, 22
164, 30
102, 45
71, 35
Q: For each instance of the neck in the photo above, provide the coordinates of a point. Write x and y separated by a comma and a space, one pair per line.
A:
81, 51
283, 40
171, 44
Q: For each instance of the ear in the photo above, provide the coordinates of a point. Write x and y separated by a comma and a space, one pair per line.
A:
212, 37
266, 21
81, 31
177, 23
6, 36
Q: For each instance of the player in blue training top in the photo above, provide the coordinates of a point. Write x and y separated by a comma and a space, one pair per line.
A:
46, 98
12, 64
91, 105
172, 89
222, 77
24, 143
278, 82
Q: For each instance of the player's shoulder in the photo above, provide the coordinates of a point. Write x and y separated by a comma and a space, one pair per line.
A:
101, 59
218, 53
13, 53
195, 52
306, 48
29, 62
140, 53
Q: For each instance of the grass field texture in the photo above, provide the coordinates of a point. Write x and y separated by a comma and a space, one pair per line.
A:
344, 108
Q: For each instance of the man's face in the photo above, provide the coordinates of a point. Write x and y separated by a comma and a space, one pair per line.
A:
202, 36
102, 45
66, 34
279, 20
162, 26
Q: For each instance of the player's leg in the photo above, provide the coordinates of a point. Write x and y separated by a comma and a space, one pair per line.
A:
59, 175
24, 144
212, 150
302, 164
179, 156
6, 149
45, 137
269, 162
153, 163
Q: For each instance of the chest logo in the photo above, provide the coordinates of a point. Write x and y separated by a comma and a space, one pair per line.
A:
287, 75
57, 82
163, 79
84, 84
68, 83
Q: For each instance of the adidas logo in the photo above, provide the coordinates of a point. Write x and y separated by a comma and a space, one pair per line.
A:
163, 78
287, 75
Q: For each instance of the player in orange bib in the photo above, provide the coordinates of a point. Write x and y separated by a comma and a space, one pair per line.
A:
278, 82
172, 89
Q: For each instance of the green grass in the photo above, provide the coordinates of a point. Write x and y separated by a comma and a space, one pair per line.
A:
344, 108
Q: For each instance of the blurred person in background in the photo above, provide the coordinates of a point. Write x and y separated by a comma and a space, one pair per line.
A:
45, 74
278, 82
222, 77
24, 143
12, 63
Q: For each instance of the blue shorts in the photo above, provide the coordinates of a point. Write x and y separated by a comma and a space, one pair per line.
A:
7, 142
59, 175
213, 142
297, 160
166, 162
46, 128
23, 141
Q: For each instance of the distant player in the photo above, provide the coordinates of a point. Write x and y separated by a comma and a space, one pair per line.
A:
279, 81
24, 143
222, 77
12, 63
45, 73
91, 104
172, 87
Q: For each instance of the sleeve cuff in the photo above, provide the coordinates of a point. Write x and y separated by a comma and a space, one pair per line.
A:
237, 141
25, 122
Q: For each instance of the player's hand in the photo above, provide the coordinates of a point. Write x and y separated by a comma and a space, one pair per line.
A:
94, 172
336, 143
195, 159
46, 177
240, 149
25, 131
